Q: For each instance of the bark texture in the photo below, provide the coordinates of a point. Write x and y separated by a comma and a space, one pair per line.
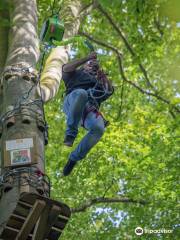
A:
23, 49
23, 115
1, 107
51, 76
4, 30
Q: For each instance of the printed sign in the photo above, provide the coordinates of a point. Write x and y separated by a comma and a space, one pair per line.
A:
19, 144
22, 156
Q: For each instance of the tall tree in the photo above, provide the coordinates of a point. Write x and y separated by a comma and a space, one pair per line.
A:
22, 116
130, 177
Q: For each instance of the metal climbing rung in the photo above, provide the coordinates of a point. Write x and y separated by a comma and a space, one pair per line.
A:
36, 218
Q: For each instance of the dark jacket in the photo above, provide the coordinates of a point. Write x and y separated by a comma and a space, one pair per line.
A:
81, 79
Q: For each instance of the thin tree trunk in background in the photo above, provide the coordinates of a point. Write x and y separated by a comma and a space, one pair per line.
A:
52, 73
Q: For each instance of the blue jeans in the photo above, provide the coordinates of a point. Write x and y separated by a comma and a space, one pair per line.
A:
74, 106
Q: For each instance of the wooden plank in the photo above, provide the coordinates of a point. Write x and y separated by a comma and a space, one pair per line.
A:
12, 229
52, 218
25, 204
14, 223
57, 229
18, 217
22, 211
31, 220
60, 223
46, 223
63, 217
30, 198
10, 234
42, 224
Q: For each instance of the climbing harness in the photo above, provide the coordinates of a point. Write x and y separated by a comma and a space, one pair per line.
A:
91, 108
98, 92
101, 88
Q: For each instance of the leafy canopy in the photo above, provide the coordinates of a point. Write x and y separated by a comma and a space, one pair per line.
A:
138, 155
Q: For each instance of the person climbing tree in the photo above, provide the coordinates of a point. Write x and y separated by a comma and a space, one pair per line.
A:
87, 86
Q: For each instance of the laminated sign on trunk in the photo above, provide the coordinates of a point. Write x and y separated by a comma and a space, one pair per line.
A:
19, 152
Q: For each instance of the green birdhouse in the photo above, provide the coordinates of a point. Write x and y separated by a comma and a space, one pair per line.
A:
52, 29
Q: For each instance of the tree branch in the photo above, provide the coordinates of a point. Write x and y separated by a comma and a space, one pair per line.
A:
128, 46
121, 97
158, 26
139, 88
99, 42
91, 202
119, 57
86, 9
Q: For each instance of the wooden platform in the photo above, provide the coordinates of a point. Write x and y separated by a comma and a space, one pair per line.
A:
36, 218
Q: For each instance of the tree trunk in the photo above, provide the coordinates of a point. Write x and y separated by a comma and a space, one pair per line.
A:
23, 121
22, 117
1, 101
25, 117
4, 29
52, 73
24, 47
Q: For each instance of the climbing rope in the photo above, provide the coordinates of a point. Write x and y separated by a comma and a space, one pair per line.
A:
101, 88
96, 93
